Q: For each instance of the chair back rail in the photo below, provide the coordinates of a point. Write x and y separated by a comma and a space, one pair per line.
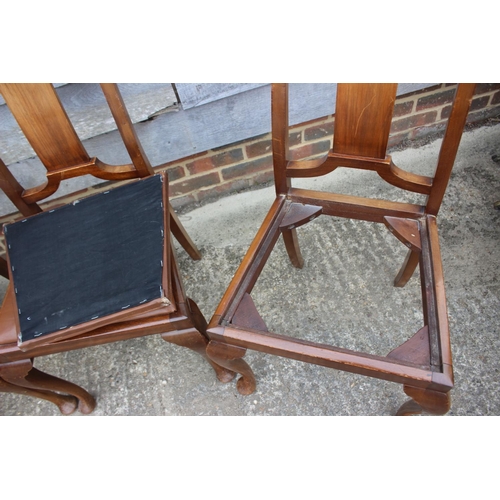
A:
362, 125
46, 125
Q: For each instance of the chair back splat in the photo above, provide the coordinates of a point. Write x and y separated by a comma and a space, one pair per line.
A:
362, 125
95, 271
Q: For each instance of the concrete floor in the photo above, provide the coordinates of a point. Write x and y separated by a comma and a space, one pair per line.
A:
344, 295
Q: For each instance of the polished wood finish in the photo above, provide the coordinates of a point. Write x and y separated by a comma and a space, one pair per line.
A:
42, 118
229, 356
14, 191
363, 114
362, 124
23, 378
55, 141
45, 123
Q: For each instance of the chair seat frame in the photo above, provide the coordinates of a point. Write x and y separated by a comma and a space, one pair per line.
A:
423, 364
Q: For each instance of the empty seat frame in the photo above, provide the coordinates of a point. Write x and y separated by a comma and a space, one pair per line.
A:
362, 124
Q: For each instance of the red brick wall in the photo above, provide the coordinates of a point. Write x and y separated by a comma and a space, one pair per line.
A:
418, 116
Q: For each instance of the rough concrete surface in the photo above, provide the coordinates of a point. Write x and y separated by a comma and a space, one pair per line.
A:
343, 295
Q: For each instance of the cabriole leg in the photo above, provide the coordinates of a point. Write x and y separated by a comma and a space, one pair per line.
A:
66, 404
230, 357
22, 378
194, 340
424, 400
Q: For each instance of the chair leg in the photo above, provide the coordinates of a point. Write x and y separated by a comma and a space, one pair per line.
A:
22, 378
424, 400
182, 236
3, 268
66, 404
230, 357
292, 247
407, 269
196, 340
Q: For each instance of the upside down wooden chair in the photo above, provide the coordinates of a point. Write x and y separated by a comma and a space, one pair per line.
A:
362, 123
98, 270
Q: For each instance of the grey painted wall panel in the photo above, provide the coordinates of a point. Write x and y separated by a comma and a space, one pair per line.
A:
89, 113
235, 118
197, 94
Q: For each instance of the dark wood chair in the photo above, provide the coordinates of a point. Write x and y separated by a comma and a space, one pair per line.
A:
362, 123
98, 270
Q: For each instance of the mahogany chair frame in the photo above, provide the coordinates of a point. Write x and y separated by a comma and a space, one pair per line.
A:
47, 127
363, 114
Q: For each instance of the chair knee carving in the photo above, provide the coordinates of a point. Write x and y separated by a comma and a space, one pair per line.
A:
363, 114
60, 295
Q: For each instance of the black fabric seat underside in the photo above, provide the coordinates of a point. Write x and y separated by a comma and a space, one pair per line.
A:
92, 258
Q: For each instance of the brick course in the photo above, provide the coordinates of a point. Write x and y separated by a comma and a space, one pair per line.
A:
479, 103
247, 168
318, 131
194, 183
434, 100
242, 165
259, 148
483, 88
414, 121
403, 108
176, 173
